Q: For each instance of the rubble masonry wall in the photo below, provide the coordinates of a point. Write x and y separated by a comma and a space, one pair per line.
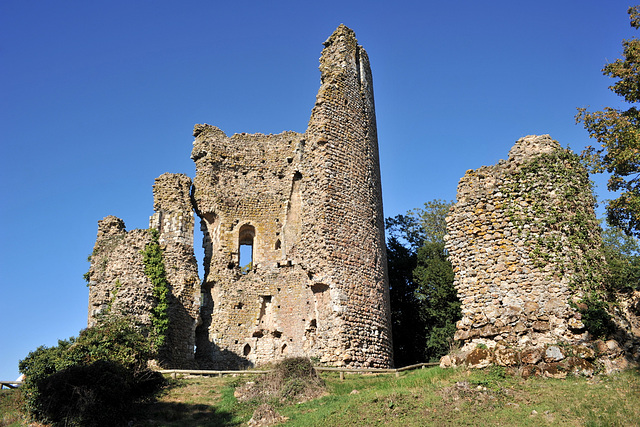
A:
524, 243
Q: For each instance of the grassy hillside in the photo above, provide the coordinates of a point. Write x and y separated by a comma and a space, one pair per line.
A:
420, 398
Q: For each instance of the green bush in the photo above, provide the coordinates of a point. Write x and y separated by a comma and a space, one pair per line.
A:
37, 366
114, 338
91, 380
595, 317
98, 394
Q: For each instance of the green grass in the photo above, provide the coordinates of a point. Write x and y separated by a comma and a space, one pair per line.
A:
447, 397
10, 403
424, 397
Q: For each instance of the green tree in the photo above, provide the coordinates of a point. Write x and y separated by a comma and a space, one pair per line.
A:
420, 225
618, 133
423, 299
408, 329
438, 299
622, 254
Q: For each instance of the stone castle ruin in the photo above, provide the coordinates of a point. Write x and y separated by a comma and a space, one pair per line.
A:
117, 279
295, 260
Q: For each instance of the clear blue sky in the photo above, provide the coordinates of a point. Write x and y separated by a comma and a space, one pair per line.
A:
99, 98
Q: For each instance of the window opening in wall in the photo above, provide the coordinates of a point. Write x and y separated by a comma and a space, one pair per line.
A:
246, 350
245, 243
246, 258
278, 244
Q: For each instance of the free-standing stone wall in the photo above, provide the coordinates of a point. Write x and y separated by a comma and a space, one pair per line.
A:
524, 243
119, 285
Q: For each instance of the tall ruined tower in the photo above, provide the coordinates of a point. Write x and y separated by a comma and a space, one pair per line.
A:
295, 260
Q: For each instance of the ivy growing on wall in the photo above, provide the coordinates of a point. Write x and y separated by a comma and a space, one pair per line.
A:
555, 215
154, 269
114, 294
103, 246
551, 203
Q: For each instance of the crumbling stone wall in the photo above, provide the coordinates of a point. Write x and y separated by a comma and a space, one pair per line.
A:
173, 218
309, 206
524, 243
118, 284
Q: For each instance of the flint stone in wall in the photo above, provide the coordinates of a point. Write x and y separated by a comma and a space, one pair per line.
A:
553, 354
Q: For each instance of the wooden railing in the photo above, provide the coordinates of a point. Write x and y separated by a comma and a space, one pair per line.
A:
10, 384
175, 372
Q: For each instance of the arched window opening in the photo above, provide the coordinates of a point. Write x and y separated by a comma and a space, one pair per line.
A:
278, 244
245, 250
246, 350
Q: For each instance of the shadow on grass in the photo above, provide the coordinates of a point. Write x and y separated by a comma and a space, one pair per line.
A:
183, 414
201, 402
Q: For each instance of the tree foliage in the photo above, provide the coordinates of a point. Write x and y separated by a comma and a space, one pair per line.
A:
420, 225
622, 254
618, 133
408, 329
438, 299
424, 304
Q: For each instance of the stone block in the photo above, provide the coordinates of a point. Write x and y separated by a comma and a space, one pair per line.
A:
532, 356
479, 358
506, 356
553, 353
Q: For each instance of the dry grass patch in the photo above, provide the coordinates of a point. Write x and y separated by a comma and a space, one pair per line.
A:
292, 380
